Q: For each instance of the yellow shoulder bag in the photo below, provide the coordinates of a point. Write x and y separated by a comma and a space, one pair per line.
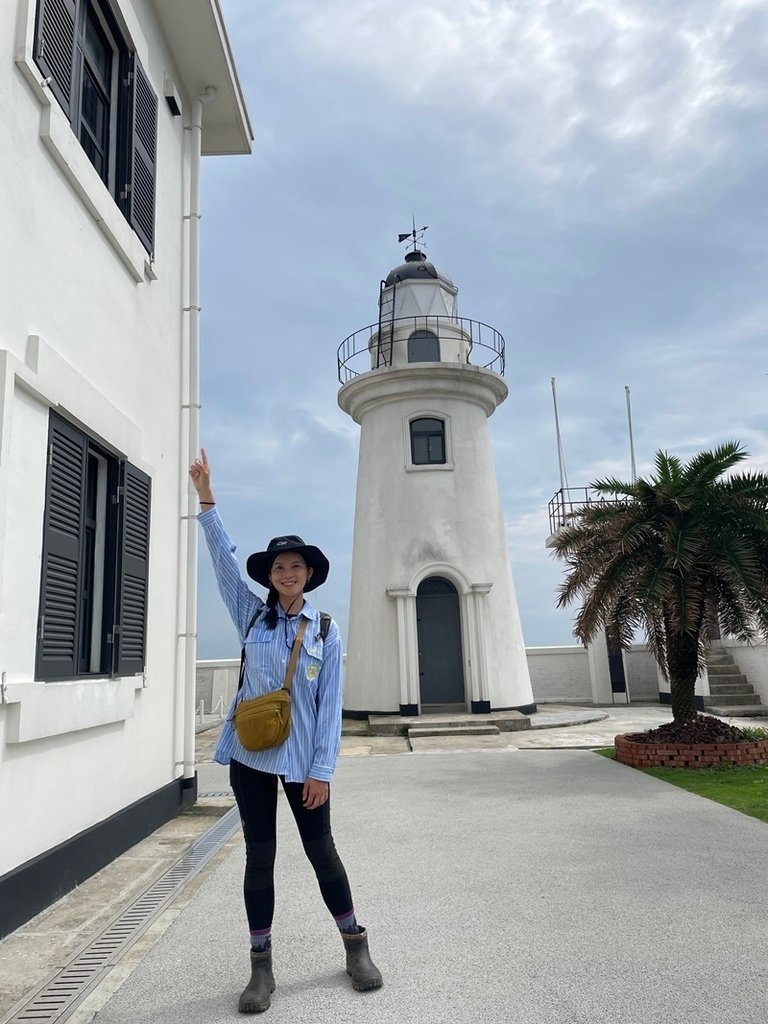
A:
265, 722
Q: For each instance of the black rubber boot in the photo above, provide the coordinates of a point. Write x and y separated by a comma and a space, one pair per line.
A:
362, 970
255, 997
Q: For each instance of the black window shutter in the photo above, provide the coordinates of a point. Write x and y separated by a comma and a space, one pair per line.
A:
55, 46
58, 627
141, 128
133, 571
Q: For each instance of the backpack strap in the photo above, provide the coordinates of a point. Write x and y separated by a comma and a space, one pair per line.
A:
325, 624
251, 624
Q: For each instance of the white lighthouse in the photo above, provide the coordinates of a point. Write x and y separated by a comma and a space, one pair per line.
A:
434, 624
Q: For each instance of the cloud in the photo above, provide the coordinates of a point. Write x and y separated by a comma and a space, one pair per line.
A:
335, 423
278, 454
563, 94
594, 174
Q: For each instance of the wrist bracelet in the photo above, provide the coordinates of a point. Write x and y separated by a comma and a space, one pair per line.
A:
207, 502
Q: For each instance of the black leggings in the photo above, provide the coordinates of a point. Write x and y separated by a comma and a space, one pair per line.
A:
256, 795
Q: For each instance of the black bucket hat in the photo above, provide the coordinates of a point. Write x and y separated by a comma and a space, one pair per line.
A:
260, 562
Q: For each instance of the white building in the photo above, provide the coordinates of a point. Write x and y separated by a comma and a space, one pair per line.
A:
433, 614
107, 107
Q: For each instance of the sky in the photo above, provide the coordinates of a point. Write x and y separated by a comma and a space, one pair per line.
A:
594, 175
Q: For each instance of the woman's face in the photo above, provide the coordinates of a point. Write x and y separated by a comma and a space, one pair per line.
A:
289, 574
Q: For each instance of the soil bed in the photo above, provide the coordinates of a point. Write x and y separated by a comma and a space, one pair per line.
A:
699, 729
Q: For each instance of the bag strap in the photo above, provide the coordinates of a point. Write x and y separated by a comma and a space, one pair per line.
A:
294, 655
294, 652
325, 625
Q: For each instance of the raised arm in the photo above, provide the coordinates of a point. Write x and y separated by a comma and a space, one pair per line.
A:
240, 600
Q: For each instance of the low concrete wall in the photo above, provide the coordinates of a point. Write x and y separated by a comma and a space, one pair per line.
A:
558, 674
215, 684
641, 672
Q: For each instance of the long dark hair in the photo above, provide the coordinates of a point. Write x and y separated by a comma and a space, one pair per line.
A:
270, 616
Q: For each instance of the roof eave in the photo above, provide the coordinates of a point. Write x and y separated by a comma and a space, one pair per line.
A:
195, 33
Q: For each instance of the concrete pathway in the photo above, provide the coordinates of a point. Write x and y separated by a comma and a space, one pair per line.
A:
537, 886
526, 848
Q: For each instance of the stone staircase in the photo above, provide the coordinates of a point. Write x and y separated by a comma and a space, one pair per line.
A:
730, 695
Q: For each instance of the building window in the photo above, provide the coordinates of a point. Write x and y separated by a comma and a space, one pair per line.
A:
93, 590
107, 99
423, 347
428, 442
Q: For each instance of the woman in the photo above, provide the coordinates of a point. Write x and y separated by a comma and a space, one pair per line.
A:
305, 762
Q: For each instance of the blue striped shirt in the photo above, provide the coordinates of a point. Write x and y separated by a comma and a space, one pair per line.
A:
313, 743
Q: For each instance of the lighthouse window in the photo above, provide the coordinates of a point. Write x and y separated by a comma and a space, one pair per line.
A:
423, 347
427, 442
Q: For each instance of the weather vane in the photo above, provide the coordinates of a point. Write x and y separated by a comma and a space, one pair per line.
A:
416, 235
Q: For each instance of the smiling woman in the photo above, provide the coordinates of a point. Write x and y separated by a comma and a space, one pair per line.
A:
284, 646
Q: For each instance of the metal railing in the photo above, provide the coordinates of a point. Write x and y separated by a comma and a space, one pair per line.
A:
568, 500
217, 712
374, 346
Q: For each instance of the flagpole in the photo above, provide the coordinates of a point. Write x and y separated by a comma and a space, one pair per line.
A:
631, 437
560, 456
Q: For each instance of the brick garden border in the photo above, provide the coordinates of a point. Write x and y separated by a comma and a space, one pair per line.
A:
689, 755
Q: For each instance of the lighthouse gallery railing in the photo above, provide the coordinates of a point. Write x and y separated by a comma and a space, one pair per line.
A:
373, 347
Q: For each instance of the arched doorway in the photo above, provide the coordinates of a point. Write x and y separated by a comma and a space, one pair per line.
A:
438, 623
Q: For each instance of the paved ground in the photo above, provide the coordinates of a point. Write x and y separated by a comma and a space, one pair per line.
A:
617, 719
527, 884
554, 725
538, 886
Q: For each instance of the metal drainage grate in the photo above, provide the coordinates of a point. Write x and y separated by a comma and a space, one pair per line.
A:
59, 996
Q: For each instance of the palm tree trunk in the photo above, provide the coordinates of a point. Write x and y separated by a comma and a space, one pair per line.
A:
682, 652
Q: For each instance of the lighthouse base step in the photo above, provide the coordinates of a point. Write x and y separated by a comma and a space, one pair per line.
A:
419, 731
737, 711
394, 725
457, 737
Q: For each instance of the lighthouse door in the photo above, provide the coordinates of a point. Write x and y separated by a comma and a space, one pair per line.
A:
438, 619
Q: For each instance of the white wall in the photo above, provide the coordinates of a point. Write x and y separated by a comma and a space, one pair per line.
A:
642, 675
110, 357
558, 674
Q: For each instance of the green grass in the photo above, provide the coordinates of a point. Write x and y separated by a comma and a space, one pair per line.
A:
742, 787
755, 733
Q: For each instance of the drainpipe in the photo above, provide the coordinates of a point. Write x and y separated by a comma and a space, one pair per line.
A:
190, 411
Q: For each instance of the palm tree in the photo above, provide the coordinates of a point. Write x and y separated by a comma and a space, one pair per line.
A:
670, 555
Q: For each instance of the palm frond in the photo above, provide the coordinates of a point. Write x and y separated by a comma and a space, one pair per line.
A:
704, 468
669, 471
753, 486
612, 485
